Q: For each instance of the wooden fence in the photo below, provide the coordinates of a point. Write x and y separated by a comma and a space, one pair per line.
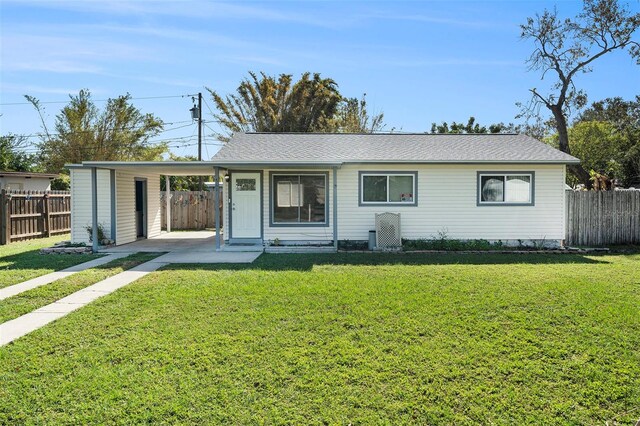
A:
600, 218
25, 215
190, 209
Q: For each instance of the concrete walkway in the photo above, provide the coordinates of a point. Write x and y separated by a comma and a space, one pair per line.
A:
53, 276
11, 330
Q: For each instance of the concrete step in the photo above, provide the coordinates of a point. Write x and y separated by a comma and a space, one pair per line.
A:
299, 249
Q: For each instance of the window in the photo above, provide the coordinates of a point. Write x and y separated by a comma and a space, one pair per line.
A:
505, 188
245, 184
388, 188
299, 199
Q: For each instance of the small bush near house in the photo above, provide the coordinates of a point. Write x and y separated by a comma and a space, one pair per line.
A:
101, 233
452, 245
353, 245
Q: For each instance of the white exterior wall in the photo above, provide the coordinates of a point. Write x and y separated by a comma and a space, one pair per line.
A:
153, 205
126, 205
81, 203
447, 201
225, 208
25, 184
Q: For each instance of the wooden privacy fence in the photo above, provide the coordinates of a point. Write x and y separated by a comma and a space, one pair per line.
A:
599, 218
190, 209
26, 215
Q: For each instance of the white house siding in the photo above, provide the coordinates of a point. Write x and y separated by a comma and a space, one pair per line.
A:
447, 201
81, 203
225, 208
153, 206
126, 205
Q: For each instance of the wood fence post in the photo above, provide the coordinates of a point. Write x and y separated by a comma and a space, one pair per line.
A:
47, 215
4, 215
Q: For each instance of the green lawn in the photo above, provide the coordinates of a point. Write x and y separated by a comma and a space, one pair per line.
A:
344, 338
28, 301
22, 261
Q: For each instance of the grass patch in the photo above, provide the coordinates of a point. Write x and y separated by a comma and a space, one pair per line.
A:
30, 300
22, 260
344, 338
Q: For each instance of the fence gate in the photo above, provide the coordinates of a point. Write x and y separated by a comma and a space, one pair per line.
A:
25, 215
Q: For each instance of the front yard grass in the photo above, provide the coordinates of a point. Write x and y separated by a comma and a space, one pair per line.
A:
22, 261
344, 339
23, 303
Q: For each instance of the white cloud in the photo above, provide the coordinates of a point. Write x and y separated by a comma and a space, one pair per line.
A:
62, 54
194, 10
23, 89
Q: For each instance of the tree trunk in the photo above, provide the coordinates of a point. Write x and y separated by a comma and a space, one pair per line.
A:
563, 144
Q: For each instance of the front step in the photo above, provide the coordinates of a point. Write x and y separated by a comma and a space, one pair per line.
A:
243, 247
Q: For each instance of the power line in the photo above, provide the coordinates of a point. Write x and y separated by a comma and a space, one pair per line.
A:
79, 132
208, 107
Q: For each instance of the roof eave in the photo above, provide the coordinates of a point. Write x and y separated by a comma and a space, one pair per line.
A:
333, 164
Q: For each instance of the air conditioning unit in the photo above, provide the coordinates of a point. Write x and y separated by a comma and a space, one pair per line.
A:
388, 235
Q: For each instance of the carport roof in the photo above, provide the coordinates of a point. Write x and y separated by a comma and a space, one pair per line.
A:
173, 168
191, 168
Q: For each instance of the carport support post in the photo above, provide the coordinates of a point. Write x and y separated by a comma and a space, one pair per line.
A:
167, 197
216, 207
112, 178
335, 208
94, 209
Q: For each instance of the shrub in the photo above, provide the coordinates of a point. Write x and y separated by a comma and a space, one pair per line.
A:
101, 233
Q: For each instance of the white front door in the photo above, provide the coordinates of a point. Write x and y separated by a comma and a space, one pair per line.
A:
245, 205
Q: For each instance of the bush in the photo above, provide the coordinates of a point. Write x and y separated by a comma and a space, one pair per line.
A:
450, 245
101, 233
353, 245
61, 183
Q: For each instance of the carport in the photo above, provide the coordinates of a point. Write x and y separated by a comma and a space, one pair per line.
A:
122, 199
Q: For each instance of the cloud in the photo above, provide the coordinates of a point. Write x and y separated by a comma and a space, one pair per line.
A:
441, 21
35, 89
65, 54
458, 62
194, 10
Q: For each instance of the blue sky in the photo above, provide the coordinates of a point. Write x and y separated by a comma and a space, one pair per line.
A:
418, 62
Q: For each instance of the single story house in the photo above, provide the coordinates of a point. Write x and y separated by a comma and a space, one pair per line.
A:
26, 181
308, 188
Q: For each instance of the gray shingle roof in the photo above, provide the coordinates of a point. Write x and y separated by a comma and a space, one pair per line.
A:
332, 148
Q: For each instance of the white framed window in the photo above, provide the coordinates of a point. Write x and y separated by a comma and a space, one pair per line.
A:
506, 188
397, 188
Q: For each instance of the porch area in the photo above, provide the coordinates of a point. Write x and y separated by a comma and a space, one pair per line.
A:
189, 247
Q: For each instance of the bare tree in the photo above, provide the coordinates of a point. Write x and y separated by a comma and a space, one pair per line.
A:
568, 47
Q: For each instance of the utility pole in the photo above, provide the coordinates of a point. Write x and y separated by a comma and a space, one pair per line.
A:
196, 114
200, 134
